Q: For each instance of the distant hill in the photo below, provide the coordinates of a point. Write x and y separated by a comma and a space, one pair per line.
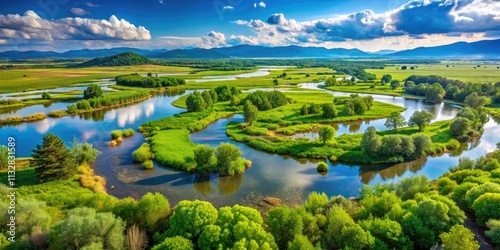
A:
74, 54
123, 59
481, 49
190, 53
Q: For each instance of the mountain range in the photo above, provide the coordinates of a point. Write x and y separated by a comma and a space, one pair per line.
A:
481, 49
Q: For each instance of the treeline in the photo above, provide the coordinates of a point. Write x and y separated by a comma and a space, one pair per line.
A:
454, 90
200, 101
265, 100
106, 100
149, 81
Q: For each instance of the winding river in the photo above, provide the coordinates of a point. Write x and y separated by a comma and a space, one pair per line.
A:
288, 178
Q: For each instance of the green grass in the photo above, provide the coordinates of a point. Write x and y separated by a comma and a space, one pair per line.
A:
173, 148
463, 71
24, 177
291, 112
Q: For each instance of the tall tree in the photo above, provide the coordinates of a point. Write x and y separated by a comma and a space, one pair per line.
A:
475, 101
420, 119
386, 78
326, 133
329, 110
52, 160
93, 91
371, 141
395, 121
459, 238
250, 112
434, 92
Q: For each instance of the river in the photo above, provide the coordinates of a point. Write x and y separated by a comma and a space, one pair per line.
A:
288, 178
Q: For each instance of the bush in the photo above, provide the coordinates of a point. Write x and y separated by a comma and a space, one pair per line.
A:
72, 109
142, 154
115, 134
148, 164
128, 132
322, 167
453, 144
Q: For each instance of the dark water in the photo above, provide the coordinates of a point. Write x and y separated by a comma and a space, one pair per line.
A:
284, 177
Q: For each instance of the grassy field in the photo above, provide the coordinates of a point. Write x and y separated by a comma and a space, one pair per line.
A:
18, 80
173, 148
459, 71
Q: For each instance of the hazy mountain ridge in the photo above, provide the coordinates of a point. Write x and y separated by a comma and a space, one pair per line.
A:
480, 49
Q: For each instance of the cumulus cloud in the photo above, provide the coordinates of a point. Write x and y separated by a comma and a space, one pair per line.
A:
79, 12
416, 20
213, 39
32, 27
228, 7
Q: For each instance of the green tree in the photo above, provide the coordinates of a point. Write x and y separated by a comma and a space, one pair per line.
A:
386, 78
227, 154
475, 101
207, 97
331, 81
303, 110
195, 102
213, 94
422, 143
300, 242
460, 127
204, 156
316, 202
283, 223
434, 93
175, 243
314, 108
190, 218
359, 105
395, 121
275, 82
371, 141
153, 210
46, 96
52, 160
459, 238
326, 133
329, 110
486, 207
84, 226
83, 153
394, 84
494, 231
250, 112
467, 112
349, 108
93, 91
410, 186
235, 100
420, 119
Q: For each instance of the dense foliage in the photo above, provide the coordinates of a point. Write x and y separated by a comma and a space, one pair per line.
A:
265, 100
137, 80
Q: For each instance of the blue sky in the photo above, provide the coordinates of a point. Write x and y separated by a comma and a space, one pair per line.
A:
365, 24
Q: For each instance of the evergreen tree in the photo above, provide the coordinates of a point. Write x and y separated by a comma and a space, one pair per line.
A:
52, 160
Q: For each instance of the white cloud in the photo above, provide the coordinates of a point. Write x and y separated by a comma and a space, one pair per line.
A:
228, 7
30, 29
240, 22
79, 12
90, 4
260, 4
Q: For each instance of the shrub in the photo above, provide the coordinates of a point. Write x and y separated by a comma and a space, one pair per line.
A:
72, 109
57, 113
142, 154
128, 132
115, 134
148, 164
322, 167
453, 144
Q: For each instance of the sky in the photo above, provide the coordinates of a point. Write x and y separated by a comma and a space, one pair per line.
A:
369, 25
